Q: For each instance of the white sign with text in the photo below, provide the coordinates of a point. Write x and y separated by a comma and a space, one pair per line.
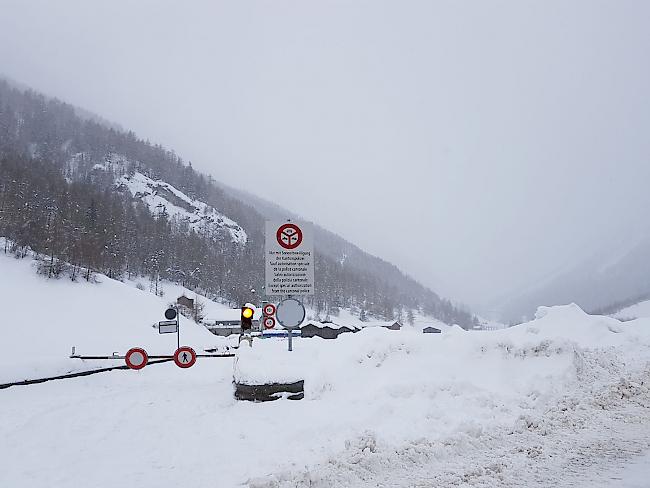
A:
289, 258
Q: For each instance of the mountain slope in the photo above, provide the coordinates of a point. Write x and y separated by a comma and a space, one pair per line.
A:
598, 283
103, 200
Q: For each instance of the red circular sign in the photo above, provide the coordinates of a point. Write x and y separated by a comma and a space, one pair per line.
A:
289, 236
269, 322
269, 309
136, 358
184, 357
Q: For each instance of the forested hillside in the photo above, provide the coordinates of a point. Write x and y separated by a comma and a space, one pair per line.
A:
92, 197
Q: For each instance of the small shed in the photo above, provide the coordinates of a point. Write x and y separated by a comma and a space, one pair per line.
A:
431, 330
184, 301
390, 324
395, 325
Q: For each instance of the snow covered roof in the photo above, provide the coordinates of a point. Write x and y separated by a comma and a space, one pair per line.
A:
380, 323
331, 325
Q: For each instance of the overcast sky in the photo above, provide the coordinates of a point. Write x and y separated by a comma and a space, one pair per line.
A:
478, 145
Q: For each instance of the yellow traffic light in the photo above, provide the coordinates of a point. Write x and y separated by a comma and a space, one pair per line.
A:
247, 312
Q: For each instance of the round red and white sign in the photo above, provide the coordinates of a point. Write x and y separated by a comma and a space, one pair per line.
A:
184, 357
289, 236
269, 322
136, 358
269, 309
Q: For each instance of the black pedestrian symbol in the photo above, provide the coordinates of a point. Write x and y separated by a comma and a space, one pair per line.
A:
184, 357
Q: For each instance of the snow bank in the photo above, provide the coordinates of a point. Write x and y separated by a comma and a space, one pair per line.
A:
375, 391
440, 382
42, 319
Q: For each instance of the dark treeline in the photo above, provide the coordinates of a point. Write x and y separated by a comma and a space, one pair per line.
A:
78, 228
54, 201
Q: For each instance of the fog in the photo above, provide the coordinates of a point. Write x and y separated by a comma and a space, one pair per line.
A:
480, 146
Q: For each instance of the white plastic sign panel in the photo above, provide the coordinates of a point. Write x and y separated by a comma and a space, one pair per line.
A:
168, 328
289, 258
290, 313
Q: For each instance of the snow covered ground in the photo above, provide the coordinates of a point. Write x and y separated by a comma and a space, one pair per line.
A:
42, 319
560, 401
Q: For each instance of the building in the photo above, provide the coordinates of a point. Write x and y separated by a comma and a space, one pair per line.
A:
390, 324
324, 330
431, 330
186, 302
228, 321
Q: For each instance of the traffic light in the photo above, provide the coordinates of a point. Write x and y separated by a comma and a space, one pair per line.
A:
247, 312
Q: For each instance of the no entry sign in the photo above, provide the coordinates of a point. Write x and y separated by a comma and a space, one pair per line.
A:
289, 258
184, 357
136, 358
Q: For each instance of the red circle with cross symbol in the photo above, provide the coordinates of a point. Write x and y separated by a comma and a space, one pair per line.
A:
184, 357
289, 236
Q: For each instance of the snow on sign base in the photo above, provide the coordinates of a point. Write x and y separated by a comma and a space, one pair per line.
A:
289, 258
